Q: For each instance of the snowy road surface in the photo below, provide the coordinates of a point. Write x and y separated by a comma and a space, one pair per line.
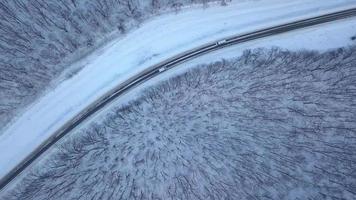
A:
153, 42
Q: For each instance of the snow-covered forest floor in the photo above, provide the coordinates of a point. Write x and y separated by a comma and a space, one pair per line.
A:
269, 124
154, 41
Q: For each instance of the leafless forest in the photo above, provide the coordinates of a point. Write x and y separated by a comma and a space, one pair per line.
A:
39, 38
271, 124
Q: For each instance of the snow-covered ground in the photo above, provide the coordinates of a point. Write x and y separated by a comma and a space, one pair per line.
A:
154, 41
269, 124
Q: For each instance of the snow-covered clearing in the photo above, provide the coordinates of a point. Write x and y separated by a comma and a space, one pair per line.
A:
154, 41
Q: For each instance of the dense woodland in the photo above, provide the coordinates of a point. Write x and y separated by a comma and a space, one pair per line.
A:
38, 38
271, 124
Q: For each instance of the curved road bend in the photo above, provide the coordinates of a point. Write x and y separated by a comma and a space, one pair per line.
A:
161, 67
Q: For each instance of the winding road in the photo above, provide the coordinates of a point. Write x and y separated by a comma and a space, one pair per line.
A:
160, 68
